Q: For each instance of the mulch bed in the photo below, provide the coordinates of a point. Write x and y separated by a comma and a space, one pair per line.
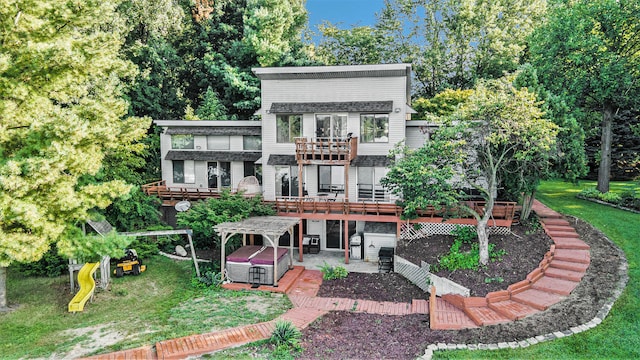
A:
340, 335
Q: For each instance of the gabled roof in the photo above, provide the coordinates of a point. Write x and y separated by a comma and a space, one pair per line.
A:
213, 155
319, 107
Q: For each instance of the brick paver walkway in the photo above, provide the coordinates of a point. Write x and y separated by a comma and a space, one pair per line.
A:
558, 274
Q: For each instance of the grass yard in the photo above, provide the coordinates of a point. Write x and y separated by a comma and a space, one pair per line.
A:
618, 337
159, 304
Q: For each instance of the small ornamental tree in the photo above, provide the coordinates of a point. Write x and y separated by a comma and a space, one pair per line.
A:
498, 126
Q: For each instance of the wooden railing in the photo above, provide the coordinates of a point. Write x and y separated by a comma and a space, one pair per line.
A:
329, 205
326, 150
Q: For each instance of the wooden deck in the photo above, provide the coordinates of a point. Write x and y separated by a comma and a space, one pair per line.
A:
337, 151
322, 207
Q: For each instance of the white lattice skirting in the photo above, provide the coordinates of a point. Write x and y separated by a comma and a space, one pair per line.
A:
422, 230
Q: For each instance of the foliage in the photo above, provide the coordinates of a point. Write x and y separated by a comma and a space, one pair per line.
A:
442, 104
586, 52
134, 211
466, 234
627, 198
458, 259
204, 215
333, 272
61, 104
211, 107
50, 265
91, 248
357, 45
285, 333
148, 246
452, 43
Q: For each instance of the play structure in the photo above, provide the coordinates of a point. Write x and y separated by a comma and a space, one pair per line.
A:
87, 287
129, 264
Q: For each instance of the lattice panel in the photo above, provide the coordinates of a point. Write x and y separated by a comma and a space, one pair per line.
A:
422, 230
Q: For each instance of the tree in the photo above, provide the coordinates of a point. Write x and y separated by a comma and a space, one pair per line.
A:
588, 51
452, 43
60, 113
498, 126
358, 45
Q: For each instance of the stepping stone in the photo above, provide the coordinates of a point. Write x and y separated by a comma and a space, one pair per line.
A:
570, 243
563, 234
537, 299
555, 227
552, 221
555, 285
483, 315
568, 265
564, 274
512, 309
573, 255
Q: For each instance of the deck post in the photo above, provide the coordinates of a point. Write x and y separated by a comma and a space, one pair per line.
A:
300, 236
346, 241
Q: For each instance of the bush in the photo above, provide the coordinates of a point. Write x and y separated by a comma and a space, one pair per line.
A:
457, 259
51, 265
333, 272
285, 333
466, 234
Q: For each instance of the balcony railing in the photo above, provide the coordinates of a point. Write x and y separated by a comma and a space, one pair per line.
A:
326, 150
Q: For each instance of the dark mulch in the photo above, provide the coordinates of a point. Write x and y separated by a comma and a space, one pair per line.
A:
340, 335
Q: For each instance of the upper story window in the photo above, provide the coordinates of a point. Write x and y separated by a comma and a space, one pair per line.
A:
288, 127
331, 126
252, 142
374, 128
218, 142
182, 141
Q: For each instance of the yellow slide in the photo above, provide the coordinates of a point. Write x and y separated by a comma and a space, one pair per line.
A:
87, 286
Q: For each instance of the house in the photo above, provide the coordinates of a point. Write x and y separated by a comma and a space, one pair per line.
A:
319, 151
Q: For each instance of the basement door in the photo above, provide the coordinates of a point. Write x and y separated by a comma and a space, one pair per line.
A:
335, 233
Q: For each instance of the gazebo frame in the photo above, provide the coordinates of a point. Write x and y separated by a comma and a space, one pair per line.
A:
270, 227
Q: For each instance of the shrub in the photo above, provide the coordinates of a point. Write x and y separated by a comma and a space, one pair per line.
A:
333, 272
457, 259
51, 265
286, 334
466, 234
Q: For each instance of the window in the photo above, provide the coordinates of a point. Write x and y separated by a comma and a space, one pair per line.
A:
286, 181
252, 142
331, 126
184, 172
374, 128
182, 142
369, 187
219, 174
253, 169
331, 179
218, 142
288, 128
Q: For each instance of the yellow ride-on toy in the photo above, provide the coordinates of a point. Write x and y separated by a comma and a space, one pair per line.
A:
129, 264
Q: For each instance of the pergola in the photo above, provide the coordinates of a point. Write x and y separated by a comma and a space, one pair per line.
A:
270, 227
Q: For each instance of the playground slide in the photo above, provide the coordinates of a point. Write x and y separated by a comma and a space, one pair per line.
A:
87, 286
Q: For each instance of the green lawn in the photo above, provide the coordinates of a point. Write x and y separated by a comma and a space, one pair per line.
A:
159, 304
618, 337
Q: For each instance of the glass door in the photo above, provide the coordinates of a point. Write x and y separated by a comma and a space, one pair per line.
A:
335, 233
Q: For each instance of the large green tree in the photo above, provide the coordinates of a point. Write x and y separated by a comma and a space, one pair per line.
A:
450, 43
498, 126
589, 52
61, 112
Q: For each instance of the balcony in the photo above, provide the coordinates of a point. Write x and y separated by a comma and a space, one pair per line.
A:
327, 151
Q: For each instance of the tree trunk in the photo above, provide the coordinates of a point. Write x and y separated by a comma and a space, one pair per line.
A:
527, 204
605, 149
483, 240
3, 288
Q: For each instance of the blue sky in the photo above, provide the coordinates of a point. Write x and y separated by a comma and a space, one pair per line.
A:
346, 12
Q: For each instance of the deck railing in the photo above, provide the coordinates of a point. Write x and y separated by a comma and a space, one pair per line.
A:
329, 205
326, 150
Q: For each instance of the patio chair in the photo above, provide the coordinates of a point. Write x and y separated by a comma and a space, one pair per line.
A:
385, 259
